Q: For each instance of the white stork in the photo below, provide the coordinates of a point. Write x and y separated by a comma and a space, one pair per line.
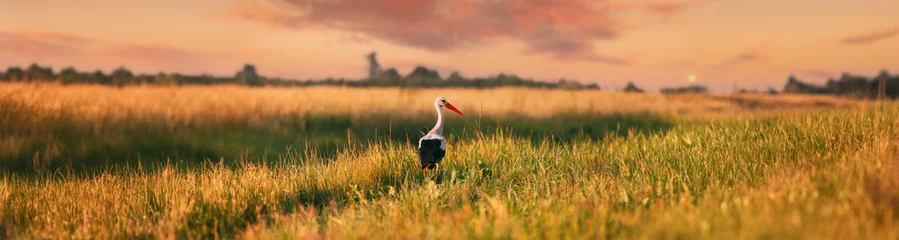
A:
432, 147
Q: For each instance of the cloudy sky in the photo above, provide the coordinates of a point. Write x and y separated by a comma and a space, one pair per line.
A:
655, 43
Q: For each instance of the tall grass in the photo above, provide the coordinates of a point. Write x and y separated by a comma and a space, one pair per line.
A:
816, 174
213, 105
47, 127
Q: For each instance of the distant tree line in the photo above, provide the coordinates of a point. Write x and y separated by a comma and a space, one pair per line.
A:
883, 85
770, 91
420, 77
697, 89
118, 77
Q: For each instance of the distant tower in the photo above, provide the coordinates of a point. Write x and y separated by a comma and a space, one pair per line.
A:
374, 69
735, 87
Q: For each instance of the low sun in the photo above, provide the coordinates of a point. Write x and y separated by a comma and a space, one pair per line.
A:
691, 78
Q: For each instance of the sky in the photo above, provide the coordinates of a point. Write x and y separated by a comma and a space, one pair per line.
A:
654, 43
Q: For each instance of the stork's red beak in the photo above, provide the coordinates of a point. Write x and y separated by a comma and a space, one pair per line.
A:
450, 107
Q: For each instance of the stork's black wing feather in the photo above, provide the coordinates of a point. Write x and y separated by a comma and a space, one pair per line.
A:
429, 154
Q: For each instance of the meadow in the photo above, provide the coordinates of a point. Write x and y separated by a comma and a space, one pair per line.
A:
88, 161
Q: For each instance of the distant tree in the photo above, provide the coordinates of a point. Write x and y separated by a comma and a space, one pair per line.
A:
15, 74
631, 87
390, 77
455, 79
37, 73
593, 86
69, 76
795, 86
477, 83
99, 78
502, 79
122, 76
163, 79
422, 77
248, 76
178, 79
425, 73
144, 79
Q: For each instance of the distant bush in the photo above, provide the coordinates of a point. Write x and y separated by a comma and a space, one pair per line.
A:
631, 87
850, 85
38, 73
122, 76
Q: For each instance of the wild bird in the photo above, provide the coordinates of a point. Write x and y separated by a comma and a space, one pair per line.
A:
432, 147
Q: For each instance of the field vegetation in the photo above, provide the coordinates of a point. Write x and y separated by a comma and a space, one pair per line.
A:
87, 161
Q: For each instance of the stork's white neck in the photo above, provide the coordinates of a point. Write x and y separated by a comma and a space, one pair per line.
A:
438, 129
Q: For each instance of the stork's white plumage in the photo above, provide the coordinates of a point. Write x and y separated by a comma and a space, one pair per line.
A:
432, 147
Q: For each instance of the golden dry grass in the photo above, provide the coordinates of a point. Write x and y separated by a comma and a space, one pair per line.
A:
217, 102
763, 167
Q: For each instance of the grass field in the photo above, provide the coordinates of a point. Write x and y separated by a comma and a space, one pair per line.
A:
233, 162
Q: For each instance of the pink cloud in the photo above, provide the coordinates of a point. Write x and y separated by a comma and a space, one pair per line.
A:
660, 8
12, 43
872, 37
747, 57
24, 47
564, 29
49, 36
754, 55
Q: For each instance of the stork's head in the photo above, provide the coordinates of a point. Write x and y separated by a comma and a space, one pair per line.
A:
441, 102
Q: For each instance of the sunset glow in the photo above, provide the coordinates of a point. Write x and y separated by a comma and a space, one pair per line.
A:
756, 44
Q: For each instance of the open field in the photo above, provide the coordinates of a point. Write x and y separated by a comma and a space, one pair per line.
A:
50, 126
235, 162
